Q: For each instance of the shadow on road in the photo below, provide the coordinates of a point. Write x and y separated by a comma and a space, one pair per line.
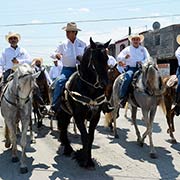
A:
66, 167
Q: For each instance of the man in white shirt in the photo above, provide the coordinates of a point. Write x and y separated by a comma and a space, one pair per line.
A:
43, 81
132, 56
55, 70
13, 55
67, 52
177, 54
37, 64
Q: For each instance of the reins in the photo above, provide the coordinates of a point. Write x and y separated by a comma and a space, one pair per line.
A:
81, 98
17, 97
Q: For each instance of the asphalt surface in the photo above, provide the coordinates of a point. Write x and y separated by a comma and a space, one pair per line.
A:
115, 159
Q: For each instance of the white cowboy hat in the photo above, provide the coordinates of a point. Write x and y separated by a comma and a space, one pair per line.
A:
178, 39
141, 37
37, 59
12, 34
71, 27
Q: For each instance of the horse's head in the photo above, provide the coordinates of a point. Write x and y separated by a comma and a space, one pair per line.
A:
24, 81
93, 66
151, 78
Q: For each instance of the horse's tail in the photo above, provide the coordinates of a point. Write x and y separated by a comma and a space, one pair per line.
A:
161, 103
108, 119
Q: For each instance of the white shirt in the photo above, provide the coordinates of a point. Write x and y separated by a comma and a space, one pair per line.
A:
111, 61
45, 72
55, 71
136, 54
9, 53
70, 51
177, 54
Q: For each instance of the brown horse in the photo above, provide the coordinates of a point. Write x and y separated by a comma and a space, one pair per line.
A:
170, 83
41, 98
113, 73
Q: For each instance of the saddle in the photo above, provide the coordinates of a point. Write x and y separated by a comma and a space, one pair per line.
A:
172, 81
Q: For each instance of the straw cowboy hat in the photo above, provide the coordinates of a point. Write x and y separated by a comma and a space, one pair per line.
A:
37, 59
12, 34
178, 39
71, 27
141, 37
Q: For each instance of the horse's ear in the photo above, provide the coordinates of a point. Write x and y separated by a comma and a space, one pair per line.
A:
92, 43
107, 44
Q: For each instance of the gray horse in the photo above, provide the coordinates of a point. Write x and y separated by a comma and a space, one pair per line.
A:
146, 93
16, 105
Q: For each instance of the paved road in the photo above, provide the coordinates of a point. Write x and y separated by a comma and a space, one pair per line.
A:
115, 159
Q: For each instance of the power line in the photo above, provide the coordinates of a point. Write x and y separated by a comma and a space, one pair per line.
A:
91, 20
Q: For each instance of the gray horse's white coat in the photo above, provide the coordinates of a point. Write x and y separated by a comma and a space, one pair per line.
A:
16, 105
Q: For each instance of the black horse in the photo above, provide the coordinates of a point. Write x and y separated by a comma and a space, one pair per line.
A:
83, 98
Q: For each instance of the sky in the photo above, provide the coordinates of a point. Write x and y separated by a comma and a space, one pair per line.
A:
40, 22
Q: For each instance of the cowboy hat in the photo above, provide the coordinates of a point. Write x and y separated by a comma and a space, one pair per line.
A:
37, 59
12, 34
141, 37
178, 39
71, 27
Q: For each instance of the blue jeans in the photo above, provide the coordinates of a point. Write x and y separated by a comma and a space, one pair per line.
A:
127, 81
178, 76
60, 83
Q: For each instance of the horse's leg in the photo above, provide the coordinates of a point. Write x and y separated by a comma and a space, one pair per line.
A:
83, 156
126, 110
7, 137
133, 116
31, 132
114, 113
149, 123
170, 119
63, 122
25, 124
12, 131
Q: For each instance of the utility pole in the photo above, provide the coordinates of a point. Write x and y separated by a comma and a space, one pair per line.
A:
129, 33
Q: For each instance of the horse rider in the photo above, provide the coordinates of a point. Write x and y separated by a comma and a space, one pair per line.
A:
132, 56
43, 81
37, 63
177, 99
67, 52
56, 69
13, 55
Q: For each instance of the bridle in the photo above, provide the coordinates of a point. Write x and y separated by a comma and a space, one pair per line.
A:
97, 83
16, 95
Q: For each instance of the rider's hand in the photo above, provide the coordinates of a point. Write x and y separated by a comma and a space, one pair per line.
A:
15, 61
58, 56
127, 56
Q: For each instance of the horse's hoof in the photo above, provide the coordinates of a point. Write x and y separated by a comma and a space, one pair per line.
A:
116, 136
15, 159
173, 141
33, 141
7, 144
68, 150
39, 124
141, 144
153, 155
90, 165
23, 170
